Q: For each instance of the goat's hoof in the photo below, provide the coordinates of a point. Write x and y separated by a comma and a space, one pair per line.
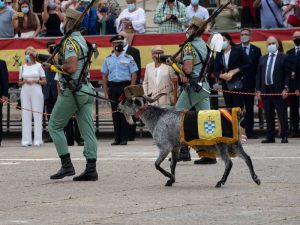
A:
219, 184
170, 182
257, 181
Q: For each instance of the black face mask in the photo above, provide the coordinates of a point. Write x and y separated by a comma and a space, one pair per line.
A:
119, 48
51, 49
297, 41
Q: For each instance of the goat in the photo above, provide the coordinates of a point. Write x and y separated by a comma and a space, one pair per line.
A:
164, 125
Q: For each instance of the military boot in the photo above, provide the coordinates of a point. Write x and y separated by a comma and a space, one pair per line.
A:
184, 154
90, 172
66, 169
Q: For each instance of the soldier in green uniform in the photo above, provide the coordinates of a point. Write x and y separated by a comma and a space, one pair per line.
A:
73, 57
195, 94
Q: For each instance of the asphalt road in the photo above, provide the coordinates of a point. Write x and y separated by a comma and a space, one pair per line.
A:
131, 192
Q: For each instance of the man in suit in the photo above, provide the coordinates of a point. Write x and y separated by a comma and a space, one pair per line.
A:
273, 77
135, 53
254, 54
294, 59
3, 90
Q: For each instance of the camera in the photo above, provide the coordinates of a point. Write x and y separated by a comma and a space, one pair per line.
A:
173, 17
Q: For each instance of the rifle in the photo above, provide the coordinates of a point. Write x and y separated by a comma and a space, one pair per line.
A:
200, 30
70, 31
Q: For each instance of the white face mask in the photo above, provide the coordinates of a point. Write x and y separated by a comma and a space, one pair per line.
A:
225, 45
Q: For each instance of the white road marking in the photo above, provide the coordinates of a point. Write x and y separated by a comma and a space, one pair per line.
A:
9, 163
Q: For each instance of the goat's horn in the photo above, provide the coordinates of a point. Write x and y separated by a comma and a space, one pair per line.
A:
151, 100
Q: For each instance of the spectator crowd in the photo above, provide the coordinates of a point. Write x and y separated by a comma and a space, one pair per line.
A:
17, 18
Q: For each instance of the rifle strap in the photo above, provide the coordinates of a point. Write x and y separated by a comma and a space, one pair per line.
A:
200, 78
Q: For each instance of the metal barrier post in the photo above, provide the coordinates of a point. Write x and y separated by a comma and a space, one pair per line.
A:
8, 115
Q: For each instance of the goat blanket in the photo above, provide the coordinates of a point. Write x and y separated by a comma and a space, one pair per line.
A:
209, 127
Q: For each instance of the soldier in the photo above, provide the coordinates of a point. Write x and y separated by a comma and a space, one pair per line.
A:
74, 57
194, 58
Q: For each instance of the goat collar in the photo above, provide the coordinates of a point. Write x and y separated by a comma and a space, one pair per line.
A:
141, 110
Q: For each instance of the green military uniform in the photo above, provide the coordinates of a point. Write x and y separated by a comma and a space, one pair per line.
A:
189, 98
69, 103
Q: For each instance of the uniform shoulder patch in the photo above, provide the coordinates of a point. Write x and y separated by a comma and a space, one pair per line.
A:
69, 46
188, 49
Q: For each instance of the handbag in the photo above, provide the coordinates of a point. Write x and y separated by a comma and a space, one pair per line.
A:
293, 20
236, 84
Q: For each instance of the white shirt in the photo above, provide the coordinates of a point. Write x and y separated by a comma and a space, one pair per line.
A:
138, 19
226, 58
273, 65
157, 74
201, 12
32, 72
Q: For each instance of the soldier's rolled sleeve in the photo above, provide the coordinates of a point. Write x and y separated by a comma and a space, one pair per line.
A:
70, 50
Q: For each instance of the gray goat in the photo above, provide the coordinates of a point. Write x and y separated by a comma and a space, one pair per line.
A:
164, 125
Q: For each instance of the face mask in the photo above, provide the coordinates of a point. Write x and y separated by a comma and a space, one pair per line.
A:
297, 41
62, 29
103, 9
2, 4
272, 48
25, 10
225, 45
27, 58
131, 6
119, 47
245, 39
194, 2
51, 5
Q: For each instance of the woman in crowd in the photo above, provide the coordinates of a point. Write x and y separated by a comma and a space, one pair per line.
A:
31, 79
132, 19
105, 24
158, 79
229, 66
26, 22
227, 19
52, 18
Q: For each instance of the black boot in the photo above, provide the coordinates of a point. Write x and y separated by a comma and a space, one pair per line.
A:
66, 169
90, 172
184, 154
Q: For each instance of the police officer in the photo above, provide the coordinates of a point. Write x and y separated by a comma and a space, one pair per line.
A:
195, 54
119, 70
72, 100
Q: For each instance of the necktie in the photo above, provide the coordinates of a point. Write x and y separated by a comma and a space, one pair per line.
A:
269, 70
298, 51
245, 50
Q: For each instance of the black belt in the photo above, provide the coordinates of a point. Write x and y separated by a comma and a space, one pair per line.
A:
121, 83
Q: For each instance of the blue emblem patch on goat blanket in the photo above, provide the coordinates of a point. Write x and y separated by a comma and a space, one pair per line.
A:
210, 127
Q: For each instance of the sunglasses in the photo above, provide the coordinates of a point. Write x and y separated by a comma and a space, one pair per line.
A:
272, 43
8, 3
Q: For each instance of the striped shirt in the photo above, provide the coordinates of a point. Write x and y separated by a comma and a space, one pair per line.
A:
170, 26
